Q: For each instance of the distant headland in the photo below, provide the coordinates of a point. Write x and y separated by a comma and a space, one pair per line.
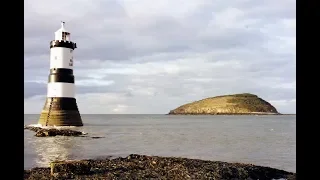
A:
234, 104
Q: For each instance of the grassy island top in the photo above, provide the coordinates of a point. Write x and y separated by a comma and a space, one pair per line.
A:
244, 103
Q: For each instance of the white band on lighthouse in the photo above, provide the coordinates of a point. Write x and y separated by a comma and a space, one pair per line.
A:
58, 89
61, 57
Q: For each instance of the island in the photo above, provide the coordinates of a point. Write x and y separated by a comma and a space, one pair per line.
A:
234, 104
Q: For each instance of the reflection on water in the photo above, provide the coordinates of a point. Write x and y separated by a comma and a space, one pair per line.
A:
55, 148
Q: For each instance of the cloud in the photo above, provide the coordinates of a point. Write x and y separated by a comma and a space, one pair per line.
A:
150, 57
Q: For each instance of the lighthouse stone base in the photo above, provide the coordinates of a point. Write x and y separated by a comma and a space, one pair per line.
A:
60, 112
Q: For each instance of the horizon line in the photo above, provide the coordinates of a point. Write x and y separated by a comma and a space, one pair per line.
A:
139, 114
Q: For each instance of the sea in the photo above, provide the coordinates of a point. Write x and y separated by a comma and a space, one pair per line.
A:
266, 140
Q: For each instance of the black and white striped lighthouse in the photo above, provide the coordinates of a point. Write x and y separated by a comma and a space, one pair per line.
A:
61, 108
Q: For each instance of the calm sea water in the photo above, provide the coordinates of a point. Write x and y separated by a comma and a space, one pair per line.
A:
261, 140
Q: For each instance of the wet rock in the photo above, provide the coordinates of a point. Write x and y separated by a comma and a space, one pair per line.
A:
74, 167
41, 134
96, 137
35, 129
153, 167
37, 173
46, 132
57, 132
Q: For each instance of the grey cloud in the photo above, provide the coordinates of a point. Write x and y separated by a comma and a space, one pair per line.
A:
217, 47
33, 89
40, 89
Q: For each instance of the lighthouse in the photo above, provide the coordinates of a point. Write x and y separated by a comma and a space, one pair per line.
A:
60, 108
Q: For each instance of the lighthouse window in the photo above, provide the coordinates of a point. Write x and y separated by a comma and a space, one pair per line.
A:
64, 36
55, 57
71, 62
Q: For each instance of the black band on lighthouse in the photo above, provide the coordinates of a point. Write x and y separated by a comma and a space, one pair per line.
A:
61, 71
66, 44
65, 78
61, 75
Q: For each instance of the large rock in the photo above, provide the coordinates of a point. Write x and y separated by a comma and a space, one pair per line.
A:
153, 167
57, 132
227, 105
45, 132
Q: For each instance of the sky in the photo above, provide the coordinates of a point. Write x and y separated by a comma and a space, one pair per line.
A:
149, 57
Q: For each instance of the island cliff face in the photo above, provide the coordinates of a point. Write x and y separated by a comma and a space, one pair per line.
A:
235, 104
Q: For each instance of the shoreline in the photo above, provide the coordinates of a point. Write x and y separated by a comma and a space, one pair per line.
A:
232, 114
137, 166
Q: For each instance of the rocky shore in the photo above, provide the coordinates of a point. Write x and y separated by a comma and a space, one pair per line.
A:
153, 167
45, 132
